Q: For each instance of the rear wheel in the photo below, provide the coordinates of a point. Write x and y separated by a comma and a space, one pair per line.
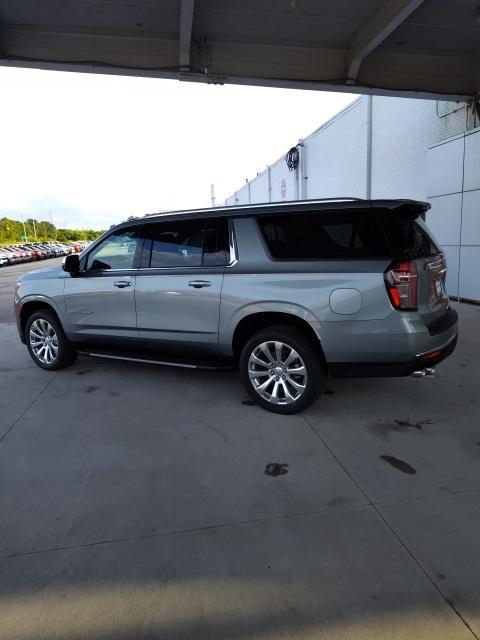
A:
281, 370
47, 343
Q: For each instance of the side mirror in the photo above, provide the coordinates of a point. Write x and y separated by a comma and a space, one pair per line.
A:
72, 263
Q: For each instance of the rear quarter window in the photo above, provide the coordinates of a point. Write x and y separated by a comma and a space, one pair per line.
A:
407, 238
326, 235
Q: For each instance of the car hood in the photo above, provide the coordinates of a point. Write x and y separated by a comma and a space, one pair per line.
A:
40, 274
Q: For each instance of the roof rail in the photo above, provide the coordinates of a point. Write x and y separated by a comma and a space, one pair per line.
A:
254, 205
338, 198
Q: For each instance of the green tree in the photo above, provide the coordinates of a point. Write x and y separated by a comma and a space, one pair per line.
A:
11, 232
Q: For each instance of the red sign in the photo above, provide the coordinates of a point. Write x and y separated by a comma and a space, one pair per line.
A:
283, 188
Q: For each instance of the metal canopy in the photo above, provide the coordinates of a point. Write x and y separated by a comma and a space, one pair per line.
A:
419, 48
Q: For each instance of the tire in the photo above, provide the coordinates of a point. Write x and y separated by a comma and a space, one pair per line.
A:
298, 382
47, 343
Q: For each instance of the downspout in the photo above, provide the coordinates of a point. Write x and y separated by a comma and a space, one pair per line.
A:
301, 171
368, 185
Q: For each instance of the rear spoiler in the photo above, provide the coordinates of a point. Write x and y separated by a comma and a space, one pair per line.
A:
410, 209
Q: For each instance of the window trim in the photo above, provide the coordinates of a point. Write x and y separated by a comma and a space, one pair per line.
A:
232, 244
231, 257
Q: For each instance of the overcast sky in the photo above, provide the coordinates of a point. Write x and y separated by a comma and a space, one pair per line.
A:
94, 149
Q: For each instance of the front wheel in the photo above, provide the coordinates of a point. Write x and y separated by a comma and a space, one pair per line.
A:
47, 343
281, 370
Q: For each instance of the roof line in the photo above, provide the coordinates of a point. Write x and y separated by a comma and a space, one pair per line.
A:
303, 205
259, 205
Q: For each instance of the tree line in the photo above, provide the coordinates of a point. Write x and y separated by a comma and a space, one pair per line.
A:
32, 230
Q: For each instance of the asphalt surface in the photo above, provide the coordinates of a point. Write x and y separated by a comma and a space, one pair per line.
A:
134, 504
9, 276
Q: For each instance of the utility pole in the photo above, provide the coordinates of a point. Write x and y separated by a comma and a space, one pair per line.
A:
24, 230
34, 229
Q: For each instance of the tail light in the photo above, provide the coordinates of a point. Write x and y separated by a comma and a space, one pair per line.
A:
402, 282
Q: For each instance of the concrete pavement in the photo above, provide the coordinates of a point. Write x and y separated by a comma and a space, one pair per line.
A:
134, 504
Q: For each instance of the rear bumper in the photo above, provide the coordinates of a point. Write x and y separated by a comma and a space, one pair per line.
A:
449, 320
397, 346
393, 369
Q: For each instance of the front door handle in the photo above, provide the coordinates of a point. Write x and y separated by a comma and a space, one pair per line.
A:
198, 284
121, 284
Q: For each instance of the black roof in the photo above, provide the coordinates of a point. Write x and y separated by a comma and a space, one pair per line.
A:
416, 207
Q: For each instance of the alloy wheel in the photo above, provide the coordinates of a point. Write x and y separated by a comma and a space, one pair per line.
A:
43, 341
277, 372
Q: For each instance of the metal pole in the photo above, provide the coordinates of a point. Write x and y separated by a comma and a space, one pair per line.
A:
24, 230
34, 229
212, 194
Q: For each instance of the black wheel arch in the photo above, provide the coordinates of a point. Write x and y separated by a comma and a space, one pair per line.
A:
31, 307
249, 325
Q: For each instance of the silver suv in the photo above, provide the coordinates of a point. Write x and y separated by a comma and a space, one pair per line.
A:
288, 293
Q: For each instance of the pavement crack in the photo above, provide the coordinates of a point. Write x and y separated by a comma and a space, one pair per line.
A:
80, 496
174, 532
2, 438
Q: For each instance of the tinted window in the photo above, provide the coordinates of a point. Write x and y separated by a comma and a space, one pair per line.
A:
185, 243
332, 234
216, 243
176, 243
117, 251
407, 238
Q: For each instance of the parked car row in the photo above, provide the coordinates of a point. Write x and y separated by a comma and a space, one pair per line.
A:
13, 254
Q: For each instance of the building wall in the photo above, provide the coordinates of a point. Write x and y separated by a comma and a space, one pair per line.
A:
336, 156
420, 149
259, 188
454, 192
403, 130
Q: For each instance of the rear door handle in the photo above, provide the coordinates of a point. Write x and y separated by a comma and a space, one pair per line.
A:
198, 284
121, 284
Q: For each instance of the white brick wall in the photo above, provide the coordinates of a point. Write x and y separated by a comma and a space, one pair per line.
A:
407, 162
402, 131
454, 191
336, 155
259, 188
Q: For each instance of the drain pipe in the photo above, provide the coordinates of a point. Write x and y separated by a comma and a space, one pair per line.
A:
368, 186
302, 171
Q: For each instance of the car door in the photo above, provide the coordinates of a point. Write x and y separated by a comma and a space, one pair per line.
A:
100, 299
179, 285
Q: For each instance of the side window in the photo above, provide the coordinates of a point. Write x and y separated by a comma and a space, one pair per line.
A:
178, 243
317, 236
117, 251
216, 243
185, 243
